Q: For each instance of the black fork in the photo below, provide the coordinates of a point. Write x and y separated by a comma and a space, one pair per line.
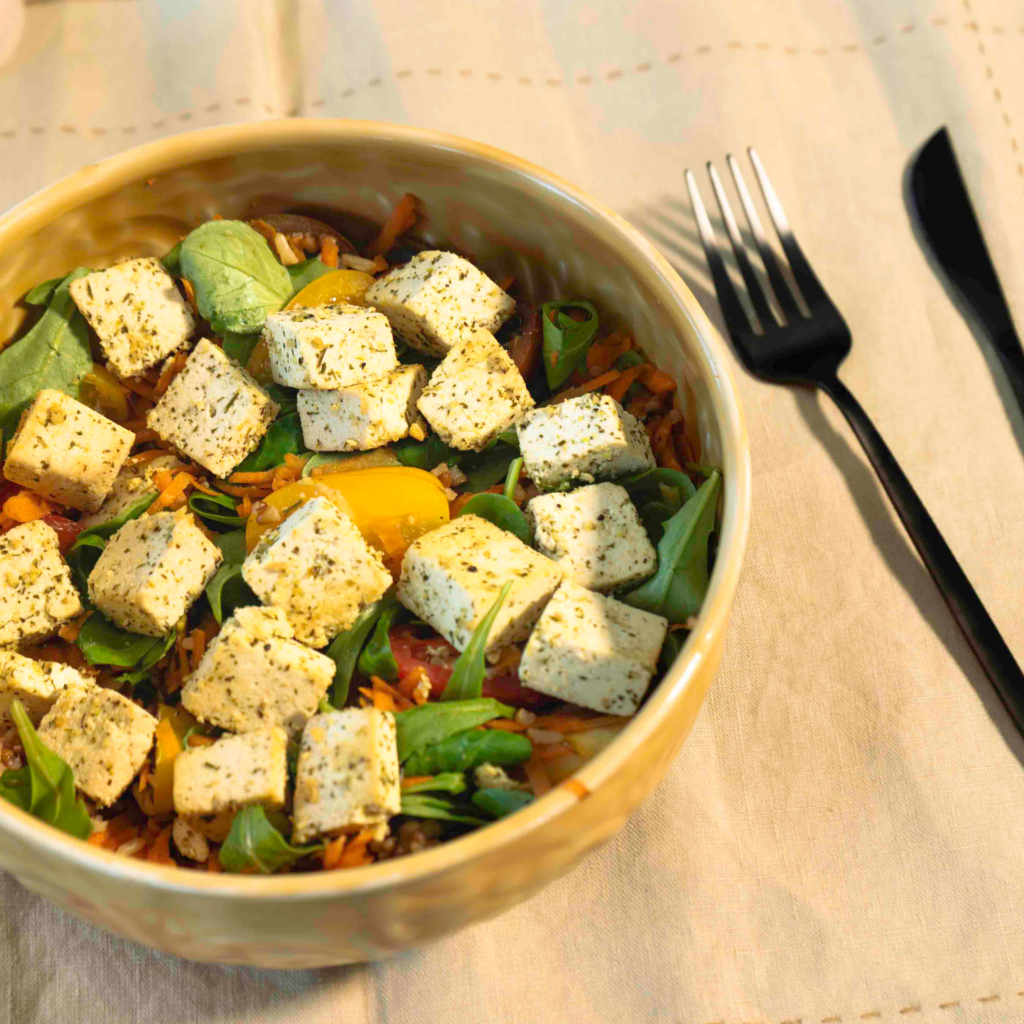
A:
806, 346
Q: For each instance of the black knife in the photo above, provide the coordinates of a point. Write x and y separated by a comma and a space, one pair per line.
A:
951, 229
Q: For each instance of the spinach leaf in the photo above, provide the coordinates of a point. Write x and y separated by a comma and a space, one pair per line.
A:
467, 678
54, 354
501, 511
283, 438
671, 649
565, 340
82, 558
501, 802
215, 508
345, 647
671, 486
436, 807
236, 278
254, 844
430, 723
287, 398
377, 658
172, 261
239, 346
42, 293
628, 359
488, 468
45, 787
677, 589
510, 436
468, 750
226, 590
428, 454
111, 526
305, 273
446, 782
103, 643
653, 516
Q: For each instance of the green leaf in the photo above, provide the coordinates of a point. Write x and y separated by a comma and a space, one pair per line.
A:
566, 340
236, 278
417, 806
305, 273
82, 558
467, 678
677, 589
54, 354
286, 398
510, 436
501, 511
42, 293
107, 529
469, 749
254, 844
172, 261
512, 479
501, 802
345, 647
45, 787
239, 346
376, 658
226, 590
431, 723
446, 782
672, 486
283, 438
215, 508
671, 649
488, 468
427, 454
654, 515
103, 643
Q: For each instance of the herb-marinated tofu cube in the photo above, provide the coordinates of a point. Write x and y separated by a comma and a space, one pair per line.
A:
583, 439
317, 568
35, 683
189, 841
152, 570
254, 674
329, 347
475, 394
438, 299
362, 416
347, 773
231, 773
102, 736
38, 595
137, 312
131, 485
213, 411
592, 650
452, 576
65, 451
595, 534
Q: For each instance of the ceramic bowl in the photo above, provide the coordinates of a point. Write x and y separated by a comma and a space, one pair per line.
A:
517, 219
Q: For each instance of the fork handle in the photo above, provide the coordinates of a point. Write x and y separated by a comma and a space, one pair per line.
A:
996, 658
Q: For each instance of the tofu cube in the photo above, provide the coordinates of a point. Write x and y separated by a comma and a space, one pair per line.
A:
363, 416
347, 773
152, 570
137, 311
254, 674
595, 534
475, 393
65, 451
189, 841
38, 595
35, 683
585, 438
452, 576
213, 411
131, 485
329, 347
102, 736
231, 773
592, 650
438, 299
317, 568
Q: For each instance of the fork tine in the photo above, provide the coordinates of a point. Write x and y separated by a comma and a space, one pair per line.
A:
754, 290
805, 277
780, 287
736, 319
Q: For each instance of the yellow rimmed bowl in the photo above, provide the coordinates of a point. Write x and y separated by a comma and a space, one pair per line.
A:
517, 219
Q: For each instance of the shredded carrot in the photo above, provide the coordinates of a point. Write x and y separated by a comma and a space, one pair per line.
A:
140, 387
380, 700
200, 485
173, 368
662, 441
163, 478
296, 461
160, 851
198, 740
415, 780
551, 751
656, 380
265, 476
591, 385
506, 725
602, 354
329, 251
190, 294
172, 492
566, 724
98, 837
240, 491
618, 388
244, 509
576, 787
537, 776
356, 853
198, 645
333, 851
141, 458
213, 864
401, 218
506, 282
25, 506
264, 229
70, 630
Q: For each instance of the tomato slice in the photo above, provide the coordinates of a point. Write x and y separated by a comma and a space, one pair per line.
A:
338, 286
66, 529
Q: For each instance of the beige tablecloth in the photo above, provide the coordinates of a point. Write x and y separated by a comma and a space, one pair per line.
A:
842, 838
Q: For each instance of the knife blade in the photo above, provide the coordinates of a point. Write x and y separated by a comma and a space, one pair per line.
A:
951, 229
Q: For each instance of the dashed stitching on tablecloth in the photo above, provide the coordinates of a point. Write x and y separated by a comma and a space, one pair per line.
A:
969, 24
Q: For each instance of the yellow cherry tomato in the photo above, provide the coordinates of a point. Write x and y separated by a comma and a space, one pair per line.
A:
390, 505
259, 362
101, 391
337, 286
174, 723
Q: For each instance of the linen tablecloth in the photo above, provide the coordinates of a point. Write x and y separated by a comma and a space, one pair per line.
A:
842, 838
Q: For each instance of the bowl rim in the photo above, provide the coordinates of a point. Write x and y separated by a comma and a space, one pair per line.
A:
710, 353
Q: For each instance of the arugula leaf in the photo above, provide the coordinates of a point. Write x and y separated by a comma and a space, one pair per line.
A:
501, 802
172, 261
215, 508
305, 273
226, 590
467, 678
283, 438
565, 340
428, 454
103, 643
436, 807
42, 293
377, 658
431, 723
345, 647
446, 782
254, 844
469, 749
236, 278
239, 346
54, 354
45, 787
677, 589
